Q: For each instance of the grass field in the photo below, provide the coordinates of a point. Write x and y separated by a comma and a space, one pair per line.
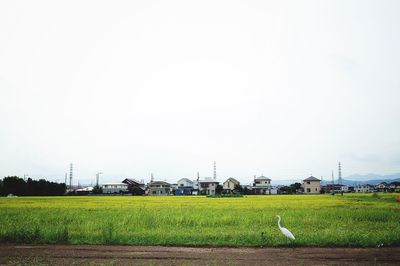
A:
315, 220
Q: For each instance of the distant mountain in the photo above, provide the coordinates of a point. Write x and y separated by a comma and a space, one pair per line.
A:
349, 182
372, 177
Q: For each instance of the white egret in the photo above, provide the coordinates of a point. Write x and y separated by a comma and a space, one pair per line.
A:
284, 231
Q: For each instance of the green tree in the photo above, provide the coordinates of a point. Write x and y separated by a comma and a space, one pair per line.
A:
238, 189
14, 185
219, 189
97, 190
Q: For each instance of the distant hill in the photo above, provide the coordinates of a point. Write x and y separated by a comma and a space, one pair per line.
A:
371, 179
351, 180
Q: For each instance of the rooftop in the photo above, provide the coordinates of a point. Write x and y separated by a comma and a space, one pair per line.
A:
262, 178
311, 178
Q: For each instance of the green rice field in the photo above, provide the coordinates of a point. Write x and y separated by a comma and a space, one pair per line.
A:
356, 220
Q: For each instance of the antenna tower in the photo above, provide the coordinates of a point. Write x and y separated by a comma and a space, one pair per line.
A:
97, 178
215, 170
70, 176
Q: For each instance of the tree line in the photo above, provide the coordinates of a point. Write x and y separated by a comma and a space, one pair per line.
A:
18, 186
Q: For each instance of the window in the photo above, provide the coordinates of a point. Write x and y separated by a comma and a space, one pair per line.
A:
308, 182
308, 190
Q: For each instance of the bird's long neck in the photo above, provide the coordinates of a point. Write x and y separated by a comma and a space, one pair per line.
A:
279, 222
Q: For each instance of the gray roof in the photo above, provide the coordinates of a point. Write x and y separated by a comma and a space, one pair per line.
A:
311, 178
262, 178
185, 179
159, 183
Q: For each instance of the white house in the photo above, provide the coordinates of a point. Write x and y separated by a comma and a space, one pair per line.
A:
184, 187
363, 188
185, 182
112, 188
262, 185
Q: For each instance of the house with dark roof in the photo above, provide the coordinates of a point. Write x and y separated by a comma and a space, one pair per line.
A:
135, 186
312, 185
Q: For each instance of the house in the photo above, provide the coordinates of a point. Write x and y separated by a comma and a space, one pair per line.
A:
114, 188
274, 190
230, 184
363, 188
196, 187
159, 188
135, 186
208, 186
312, 185
185, 187
381, 187
336, 188
174, 187
84, 191
394, 186
262, 185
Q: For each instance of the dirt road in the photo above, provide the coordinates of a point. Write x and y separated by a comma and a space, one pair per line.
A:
157, 255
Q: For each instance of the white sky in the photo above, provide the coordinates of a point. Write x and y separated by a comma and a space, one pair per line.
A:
280, 88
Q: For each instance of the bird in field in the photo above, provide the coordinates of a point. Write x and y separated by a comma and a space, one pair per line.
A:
284, 231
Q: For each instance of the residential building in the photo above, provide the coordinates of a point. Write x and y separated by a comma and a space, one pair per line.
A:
135, 186
366, 188
196, 187
114, 188
312, 185
262, 185
185, 187
208, 186
230, 184
159, 188
274, 190
336, 188
381, 187
174, 187
394, 186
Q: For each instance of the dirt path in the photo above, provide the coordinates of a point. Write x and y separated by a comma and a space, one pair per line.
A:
156, 255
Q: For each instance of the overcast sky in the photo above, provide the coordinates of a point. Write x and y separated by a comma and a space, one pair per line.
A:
280, 88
